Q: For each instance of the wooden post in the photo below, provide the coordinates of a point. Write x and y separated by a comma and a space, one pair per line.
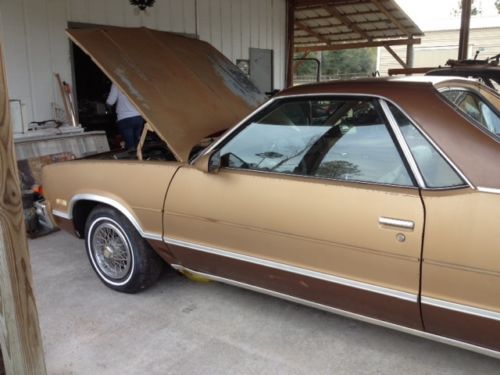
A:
290, 24
20, 337
463, 43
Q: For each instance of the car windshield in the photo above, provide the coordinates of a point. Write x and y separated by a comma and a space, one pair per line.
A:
476, 108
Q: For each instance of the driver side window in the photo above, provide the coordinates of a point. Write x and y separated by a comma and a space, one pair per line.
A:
343, 139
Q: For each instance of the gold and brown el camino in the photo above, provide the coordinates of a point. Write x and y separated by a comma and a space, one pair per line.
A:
377, 199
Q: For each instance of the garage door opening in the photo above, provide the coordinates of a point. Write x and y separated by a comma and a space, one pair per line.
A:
91, 88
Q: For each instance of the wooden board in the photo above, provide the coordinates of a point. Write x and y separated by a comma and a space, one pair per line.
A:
20, 337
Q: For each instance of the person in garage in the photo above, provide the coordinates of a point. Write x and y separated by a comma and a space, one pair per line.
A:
130, 123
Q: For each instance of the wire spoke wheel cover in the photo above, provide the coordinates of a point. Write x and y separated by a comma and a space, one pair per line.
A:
110, 250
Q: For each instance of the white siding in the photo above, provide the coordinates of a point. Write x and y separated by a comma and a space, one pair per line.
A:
439, 46
36, 47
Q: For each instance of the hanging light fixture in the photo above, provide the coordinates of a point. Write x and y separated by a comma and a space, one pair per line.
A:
142, 4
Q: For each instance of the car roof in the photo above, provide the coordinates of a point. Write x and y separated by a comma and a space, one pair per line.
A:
373, 85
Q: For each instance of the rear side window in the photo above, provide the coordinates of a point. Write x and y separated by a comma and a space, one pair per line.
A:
475, 108
436, 172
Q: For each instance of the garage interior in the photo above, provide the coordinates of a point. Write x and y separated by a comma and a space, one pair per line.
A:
176, 327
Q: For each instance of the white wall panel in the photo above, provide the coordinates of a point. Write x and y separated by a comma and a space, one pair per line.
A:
226, 26
78, 10
162, 9
97, 12
246, 35
177, 16
132, 15
236, 30
149, 19
215, 37
115, 12
189, 16
13, 34
36, 46
59, 44
39, 58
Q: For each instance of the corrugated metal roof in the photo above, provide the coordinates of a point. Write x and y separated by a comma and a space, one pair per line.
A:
333, 23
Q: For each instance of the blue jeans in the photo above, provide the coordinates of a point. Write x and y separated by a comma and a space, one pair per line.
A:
131, 129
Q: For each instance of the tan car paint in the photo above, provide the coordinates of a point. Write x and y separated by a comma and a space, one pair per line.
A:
332, 228
335, 229
139, 187
462, 248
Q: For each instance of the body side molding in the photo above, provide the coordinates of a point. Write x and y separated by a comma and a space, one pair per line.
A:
487, 314
412, 331
296, 270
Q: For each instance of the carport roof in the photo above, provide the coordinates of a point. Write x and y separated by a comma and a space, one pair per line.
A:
342, 24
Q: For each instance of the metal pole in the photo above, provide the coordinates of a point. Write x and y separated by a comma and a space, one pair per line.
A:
463, 44
410, 55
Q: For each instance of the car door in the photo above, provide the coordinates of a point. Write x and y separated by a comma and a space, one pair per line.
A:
315, 202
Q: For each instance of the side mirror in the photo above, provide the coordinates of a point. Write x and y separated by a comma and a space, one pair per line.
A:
209, 163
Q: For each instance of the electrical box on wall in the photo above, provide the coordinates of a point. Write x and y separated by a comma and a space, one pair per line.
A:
261, 68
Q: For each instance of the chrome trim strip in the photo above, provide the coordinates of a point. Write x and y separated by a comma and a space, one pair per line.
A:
111, 202
363, 318
482, 313
62, 215
296, 270
483, 189
313, 178
402, 143
406, 224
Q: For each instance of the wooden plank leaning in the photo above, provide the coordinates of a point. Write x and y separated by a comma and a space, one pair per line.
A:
20, 337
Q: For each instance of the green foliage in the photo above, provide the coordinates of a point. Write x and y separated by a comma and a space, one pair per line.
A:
497, 4
344, 62
349, 61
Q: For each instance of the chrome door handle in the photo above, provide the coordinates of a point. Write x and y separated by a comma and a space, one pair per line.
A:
397, 223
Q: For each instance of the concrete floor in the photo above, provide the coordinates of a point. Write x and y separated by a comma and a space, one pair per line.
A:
182, 327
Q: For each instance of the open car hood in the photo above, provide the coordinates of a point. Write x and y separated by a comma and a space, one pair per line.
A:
183, 87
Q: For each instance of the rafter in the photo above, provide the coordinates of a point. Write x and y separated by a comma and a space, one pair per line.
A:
396, 56
346, 33
340, 46
346, 21
389, 15
311, 32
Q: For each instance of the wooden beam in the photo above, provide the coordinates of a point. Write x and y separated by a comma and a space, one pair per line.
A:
408, 71
364, 23
340, 34
396, 56
463, 43
290, 22
311, 32
319, 18
340, 46
20, 337
389, 15
311, 4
